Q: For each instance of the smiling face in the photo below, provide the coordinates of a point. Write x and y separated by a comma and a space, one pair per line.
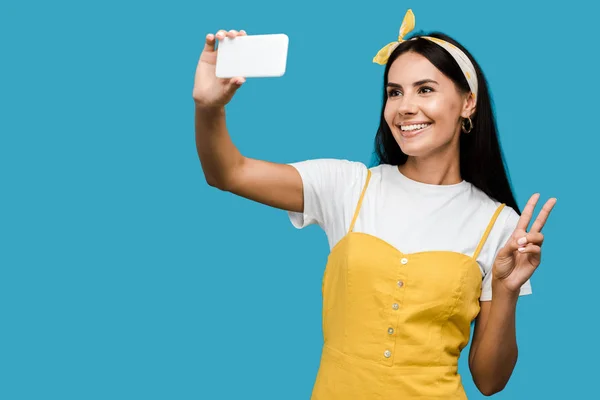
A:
424, 108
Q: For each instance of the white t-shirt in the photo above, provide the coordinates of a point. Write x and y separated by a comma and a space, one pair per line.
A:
411, 216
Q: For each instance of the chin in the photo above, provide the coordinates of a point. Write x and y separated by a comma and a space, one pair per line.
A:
414, 149
415, 152
421, 146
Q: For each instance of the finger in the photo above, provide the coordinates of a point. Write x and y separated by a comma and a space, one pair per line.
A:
508, 249
536, 238
232, 33
238, 80
530, 249
542, 217
209, 44
233, 85
528, 212
221, 34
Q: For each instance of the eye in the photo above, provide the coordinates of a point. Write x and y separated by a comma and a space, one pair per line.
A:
426, 89
393, 92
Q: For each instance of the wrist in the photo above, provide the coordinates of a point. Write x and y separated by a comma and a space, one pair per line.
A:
500, 290
209, 111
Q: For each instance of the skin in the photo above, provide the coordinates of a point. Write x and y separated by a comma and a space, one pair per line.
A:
433, 157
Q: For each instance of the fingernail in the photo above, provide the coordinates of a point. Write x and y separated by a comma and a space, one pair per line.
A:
522, 241
521, 249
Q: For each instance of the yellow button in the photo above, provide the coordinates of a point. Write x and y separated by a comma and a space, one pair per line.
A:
387, 354
390, 330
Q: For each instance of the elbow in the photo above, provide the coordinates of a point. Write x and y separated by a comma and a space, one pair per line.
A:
489, 386
215, 183
491, 378
211, 181
222, 182
490, 390
222, 178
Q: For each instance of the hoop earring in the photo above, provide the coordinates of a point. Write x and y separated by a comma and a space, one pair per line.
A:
464, 129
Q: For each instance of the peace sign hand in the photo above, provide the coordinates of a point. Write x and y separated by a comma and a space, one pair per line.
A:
519, 258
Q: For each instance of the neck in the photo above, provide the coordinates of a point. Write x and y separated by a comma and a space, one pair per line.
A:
434, 170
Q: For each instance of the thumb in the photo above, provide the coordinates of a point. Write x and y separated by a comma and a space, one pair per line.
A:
232, 86
235, 83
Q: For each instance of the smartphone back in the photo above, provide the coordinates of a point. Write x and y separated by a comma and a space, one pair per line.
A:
252, 56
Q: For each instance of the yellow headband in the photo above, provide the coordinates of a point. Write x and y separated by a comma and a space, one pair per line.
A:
408, 24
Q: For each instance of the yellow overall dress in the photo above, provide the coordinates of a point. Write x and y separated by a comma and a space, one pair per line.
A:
394, 323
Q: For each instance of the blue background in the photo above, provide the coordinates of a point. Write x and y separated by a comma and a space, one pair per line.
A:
125, 276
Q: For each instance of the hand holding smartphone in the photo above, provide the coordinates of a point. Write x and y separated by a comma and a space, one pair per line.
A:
220, 72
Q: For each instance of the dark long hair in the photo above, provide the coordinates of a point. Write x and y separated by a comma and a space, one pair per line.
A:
481, 159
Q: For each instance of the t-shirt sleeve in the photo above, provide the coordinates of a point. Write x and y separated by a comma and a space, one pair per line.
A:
326, 186
506, 230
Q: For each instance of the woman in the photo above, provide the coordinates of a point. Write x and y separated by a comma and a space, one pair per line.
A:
418, 243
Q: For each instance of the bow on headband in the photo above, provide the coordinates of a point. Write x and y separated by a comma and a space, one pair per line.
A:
408, 24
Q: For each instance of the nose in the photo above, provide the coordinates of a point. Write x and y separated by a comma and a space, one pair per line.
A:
406, 106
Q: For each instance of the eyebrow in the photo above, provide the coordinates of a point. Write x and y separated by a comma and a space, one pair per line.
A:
417, 83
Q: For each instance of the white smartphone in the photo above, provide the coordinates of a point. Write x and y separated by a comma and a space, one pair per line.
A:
252, 56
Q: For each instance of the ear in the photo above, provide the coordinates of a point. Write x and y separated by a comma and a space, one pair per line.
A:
468, 106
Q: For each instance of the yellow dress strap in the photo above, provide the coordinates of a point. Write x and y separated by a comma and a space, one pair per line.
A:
487, 231
362, 195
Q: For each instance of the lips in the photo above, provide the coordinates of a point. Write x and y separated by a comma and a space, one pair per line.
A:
414, 132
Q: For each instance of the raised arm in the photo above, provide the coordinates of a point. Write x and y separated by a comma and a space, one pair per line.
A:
494, 350
224, 167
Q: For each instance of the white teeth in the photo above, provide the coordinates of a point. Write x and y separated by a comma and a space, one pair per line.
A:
413, 127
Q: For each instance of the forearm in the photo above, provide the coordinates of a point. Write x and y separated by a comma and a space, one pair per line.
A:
218, 155
495, 357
